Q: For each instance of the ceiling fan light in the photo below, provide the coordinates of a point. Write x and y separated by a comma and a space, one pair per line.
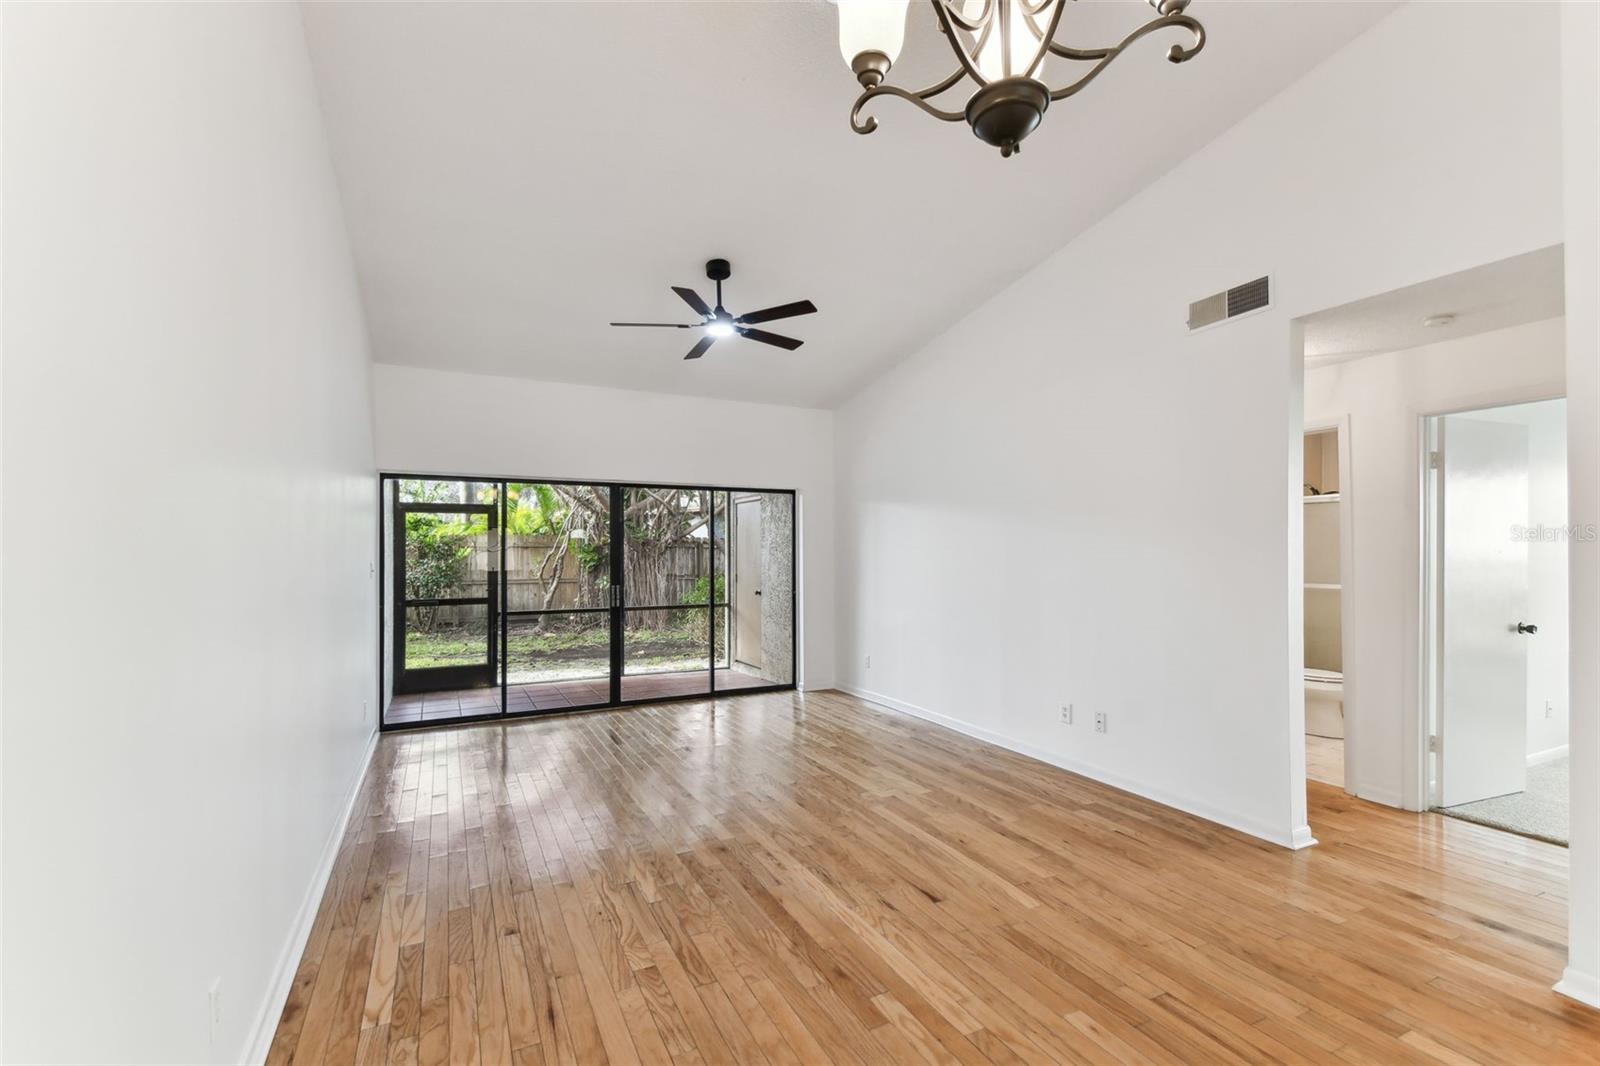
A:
720, 323
868, 26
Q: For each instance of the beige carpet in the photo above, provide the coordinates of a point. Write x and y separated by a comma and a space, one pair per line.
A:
1539, 812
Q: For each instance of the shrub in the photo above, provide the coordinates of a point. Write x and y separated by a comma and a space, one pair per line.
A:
436, 560
702, 586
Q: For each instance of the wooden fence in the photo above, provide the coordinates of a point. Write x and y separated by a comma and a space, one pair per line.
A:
683, 565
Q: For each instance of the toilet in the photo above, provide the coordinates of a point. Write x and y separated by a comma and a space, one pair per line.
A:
1325, 703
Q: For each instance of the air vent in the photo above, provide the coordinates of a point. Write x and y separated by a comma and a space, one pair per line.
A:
1250, 296
1230, 303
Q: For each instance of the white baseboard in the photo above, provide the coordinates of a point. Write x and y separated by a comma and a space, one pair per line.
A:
1302, 838
1548, 755
1583, 987
1242, 823
259, 1041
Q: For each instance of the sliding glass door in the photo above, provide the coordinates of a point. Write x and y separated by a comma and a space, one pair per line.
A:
548, 596
559, 646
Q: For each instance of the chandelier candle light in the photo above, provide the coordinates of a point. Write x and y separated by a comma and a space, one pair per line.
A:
1001, 45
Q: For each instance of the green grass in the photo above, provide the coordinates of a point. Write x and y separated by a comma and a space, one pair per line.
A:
457, 647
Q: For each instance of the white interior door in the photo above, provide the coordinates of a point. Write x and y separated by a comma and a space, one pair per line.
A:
1483, 719
747, 584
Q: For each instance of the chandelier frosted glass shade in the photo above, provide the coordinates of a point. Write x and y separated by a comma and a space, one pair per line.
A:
872, 26
1002, 50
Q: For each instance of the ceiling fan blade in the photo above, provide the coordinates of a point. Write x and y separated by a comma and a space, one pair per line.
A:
700, 349
692, 298
767, 314
771, 338
668, 325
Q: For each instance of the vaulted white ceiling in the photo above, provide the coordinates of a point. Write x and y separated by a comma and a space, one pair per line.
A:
515, 176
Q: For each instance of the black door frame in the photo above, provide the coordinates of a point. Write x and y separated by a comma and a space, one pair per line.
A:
617, 607
409, 680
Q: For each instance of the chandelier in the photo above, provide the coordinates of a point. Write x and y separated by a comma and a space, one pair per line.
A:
1002, 45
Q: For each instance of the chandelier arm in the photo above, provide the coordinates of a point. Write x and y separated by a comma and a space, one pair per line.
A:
1033, 23
1005, 41
1176, 54
967, 62
1045, 38
1179, 54
981, 39
1068, 52
869, 124
972, 25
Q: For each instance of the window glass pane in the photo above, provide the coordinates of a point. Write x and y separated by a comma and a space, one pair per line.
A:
558, 647
447, 555
666, 641
720, 548
665, 551
446, 636
386, 586
666, 652
558, 546
558, 661
418, 490
724, 644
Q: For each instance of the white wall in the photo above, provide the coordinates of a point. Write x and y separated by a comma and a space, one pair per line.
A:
1012, 534
190, 520
433, 421
2, 542
1385, 396
1580, 85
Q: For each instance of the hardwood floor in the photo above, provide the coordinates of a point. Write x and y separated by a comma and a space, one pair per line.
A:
806, 879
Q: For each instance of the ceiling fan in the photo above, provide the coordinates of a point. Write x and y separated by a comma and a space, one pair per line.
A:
719, 323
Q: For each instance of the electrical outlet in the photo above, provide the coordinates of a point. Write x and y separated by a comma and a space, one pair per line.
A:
1099, 721
1066, 714
1549, 709
869, 662
214, 1015
363, 711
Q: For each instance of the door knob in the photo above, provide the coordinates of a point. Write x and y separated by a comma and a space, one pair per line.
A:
1524, 627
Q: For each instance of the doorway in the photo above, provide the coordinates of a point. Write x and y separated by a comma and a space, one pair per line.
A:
515, 597
1496, 536
444, 582
1326, 543
747, 582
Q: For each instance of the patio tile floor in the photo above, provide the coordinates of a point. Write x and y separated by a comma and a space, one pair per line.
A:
560, 695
